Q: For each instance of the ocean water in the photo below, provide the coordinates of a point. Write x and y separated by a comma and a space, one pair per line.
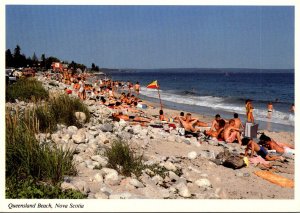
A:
221, 91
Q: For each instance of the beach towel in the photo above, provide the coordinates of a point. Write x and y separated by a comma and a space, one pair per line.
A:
258, 160
276, 179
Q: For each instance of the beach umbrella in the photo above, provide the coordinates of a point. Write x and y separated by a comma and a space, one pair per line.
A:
154, 85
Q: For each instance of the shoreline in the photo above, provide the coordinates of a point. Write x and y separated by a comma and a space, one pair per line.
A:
282, 136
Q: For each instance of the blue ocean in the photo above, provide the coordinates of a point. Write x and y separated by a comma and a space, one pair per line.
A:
222, 91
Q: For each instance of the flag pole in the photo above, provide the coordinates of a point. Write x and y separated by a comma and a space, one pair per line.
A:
159, 98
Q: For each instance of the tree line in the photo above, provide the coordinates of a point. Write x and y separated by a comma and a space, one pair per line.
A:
17, 60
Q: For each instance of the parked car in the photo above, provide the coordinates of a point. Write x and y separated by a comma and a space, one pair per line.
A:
9, 77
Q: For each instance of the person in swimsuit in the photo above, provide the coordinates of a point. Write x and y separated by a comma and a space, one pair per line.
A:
231, 133
249, 111
137, 88
219, 134
270, 109
188, 123
238, 123
260, 150
281, 148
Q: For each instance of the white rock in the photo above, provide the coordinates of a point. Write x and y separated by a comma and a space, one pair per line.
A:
157, 179
136, 183
81, 117
100, 195
170, 166
79, 137
137, 129
72, 130
203, 182
65, 137
98, 178
99, 159
55, 138
82, 186
164, 193
183, 190
110, 176
81, 148
173, 176
192, 155
77, 158
66, 186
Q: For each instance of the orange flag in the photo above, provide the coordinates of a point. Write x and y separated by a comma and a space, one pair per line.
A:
153, 85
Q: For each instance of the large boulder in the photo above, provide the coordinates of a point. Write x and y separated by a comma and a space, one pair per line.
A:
81, 117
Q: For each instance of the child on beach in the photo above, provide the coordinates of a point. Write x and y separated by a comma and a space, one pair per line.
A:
260, 150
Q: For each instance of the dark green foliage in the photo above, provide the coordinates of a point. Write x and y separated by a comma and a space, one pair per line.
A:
26, 158
29, 188
122, 158
26, 89
46, 118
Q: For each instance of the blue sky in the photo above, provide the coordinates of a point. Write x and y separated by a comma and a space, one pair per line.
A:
156, 36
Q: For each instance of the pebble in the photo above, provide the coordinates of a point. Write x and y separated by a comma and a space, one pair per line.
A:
183, 190
192, 155
203, 182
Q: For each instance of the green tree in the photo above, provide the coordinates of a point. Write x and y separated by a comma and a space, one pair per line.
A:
43, 61
9, 58
93, 66
35, 60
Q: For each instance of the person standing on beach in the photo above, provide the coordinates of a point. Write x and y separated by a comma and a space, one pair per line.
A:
249, 111
137, 88
270, 110
81, 90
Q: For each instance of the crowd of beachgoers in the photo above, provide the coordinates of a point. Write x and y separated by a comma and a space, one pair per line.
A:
123, 98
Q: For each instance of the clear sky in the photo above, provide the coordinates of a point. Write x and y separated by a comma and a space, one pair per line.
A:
156, 36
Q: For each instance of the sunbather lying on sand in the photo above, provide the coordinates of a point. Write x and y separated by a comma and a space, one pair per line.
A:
120, 115
273, 145
260, 150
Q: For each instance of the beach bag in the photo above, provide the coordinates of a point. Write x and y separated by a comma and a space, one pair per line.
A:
251, 130
234, 162
181, 131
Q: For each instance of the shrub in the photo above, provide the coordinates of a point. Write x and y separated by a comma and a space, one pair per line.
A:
46, 118
64, 108
25, 158
123, 159
26, 89
29, 188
